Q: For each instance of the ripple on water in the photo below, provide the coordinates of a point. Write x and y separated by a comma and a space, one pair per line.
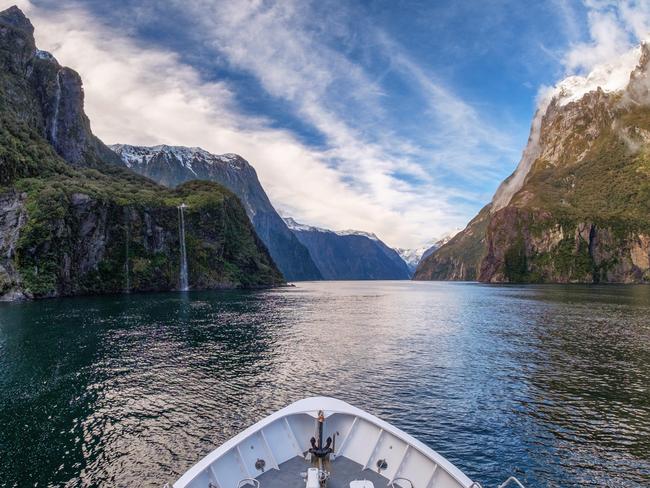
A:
547, 382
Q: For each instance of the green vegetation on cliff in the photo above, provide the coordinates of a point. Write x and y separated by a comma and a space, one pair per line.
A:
91, 232
23, 153
74, 223
609, 185
581, 213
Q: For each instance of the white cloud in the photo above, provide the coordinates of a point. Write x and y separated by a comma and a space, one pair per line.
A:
614, 28
143, 95
279, 44
605, 60
636, 15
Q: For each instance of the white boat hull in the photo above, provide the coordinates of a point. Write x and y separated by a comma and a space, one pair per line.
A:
380, 451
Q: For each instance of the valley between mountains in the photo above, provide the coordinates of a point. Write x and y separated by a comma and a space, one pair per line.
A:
80, 217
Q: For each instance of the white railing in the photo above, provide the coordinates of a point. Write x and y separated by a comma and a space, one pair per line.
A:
512, 479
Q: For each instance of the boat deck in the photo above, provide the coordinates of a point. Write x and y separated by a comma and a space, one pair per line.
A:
278, 442
342, 472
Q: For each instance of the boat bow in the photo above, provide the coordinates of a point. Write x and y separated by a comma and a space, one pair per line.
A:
345, 445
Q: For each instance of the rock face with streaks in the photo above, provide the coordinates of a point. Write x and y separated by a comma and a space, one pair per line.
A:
73, 220
174, 165
577, 208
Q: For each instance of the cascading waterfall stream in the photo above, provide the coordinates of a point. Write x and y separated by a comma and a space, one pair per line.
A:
55, 116
183, 274
126, 256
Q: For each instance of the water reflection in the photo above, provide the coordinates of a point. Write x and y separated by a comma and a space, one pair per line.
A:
550, 383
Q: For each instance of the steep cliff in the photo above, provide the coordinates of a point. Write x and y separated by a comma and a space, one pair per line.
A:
576, 209
172, 165
350, 255
46, 96
460, 258
412, 257
72, 221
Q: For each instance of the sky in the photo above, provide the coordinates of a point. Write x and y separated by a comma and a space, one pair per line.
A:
395, 117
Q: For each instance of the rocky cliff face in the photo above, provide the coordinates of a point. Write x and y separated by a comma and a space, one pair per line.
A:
526, 246
460, 258
74, 222
12, 218
576, 209
350, 255
79, 242
171, 166
46, 96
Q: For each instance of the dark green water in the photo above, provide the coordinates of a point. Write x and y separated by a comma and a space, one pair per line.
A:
550, 383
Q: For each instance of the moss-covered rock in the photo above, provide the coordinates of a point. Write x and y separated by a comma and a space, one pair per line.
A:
72, 222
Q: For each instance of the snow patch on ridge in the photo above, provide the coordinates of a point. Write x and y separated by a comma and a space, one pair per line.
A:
351, 232
297, 226
142, 155
609, 77
412, 257
293, 225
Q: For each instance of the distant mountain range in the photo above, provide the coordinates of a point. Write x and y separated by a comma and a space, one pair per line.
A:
301, 252
350, 254
412, 257
174, 165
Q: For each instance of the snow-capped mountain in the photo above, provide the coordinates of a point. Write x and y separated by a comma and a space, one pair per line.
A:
293, 225
412, 257
350, 254
134, 156
174, 165
576, 207
608, 78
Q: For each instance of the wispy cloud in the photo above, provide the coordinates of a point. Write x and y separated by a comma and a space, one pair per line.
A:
614, 28
289, 49
365, 176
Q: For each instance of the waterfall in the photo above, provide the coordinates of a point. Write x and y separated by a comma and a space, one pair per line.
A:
181, 227
126, 256
55, 116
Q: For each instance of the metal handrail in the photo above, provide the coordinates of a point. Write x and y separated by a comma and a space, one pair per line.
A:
511, 479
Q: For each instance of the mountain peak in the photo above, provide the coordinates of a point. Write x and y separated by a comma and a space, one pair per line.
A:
297, 226
617, 76
349, 254
15, 17
175, 165
413, 256
613, 76
138, 155
575, 209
